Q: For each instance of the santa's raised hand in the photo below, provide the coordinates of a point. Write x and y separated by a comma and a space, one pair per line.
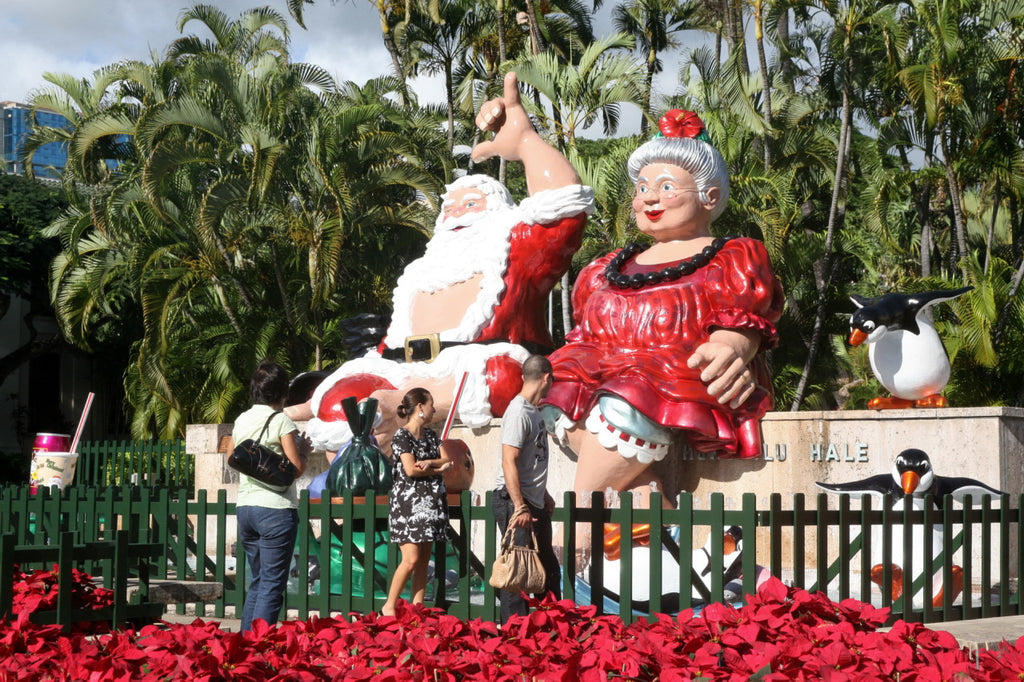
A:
515, 139
507, 118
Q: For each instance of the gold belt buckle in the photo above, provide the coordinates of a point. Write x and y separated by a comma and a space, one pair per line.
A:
414, 354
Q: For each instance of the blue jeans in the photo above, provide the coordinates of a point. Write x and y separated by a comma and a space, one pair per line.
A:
510, 602
268, 538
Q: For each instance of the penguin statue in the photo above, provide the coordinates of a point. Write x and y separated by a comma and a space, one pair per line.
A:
906, 352
730, 544
912, 474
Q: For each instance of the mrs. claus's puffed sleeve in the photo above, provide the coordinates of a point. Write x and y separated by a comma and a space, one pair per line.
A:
743, 292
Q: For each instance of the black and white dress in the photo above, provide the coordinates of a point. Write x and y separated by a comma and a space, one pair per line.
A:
419, 506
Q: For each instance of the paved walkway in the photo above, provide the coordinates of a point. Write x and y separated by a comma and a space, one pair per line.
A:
983, 633
229, 624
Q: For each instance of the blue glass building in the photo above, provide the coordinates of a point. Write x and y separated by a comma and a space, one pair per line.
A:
15, 125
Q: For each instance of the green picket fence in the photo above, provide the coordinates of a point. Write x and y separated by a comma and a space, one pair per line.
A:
344, 562
131, 462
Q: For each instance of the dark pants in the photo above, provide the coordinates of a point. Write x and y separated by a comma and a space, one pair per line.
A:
513, 602
268, 538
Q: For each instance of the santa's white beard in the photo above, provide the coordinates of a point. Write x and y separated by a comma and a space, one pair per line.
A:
454, 223
454, 256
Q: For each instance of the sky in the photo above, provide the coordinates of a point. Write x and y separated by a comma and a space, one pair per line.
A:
77, 37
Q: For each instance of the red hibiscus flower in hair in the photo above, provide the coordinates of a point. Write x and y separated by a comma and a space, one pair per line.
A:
683, 123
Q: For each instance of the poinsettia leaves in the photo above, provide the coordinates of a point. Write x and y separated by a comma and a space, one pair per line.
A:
781, 634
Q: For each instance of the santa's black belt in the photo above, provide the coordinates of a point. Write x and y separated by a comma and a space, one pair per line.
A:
425, 348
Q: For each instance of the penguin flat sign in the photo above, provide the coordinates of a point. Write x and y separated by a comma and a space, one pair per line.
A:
906, 353
912, 478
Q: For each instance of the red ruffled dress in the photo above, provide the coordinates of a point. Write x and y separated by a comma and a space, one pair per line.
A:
634, 343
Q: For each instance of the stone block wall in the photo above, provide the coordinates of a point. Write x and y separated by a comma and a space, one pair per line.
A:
800, 448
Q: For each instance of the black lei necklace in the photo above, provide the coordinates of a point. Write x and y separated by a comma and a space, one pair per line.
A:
613, 272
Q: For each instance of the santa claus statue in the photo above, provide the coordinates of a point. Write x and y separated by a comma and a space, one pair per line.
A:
474, 303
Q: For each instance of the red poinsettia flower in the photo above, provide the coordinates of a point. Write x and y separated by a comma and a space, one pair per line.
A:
782, 634
680, 123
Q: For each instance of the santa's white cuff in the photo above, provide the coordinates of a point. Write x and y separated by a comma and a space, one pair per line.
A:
552, 205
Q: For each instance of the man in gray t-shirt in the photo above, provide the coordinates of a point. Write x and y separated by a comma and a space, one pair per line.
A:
521, 498
522, 427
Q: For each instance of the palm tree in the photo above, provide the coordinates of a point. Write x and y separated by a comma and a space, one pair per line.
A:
97, 117
594, 87
654, 24
257, 32
853, 42
952, 44
442, 48
246, 185
727, 18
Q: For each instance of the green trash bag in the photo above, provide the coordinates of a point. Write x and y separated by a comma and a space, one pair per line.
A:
361, 467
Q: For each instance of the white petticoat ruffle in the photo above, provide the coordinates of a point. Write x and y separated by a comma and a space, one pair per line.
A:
628, 446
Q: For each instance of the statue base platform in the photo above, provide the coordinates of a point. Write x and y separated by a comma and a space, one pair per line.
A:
800, 448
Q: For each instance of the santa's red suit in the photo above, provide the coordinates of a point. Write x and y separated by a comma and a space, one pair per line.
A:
519, 252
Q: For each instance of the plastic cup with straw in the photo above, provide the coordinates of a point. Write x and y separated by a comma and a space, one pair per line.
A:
58, 468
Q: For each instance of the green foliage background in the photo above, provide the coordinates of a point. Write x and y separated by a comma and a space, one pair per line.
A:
226, 203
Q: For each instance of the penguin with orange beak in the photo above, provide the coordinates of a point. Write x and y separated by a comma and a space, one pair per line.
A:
912, 474
906, 353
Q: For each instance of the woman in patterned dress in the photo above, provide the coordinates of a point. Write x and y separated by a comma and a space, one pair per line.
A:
419, 507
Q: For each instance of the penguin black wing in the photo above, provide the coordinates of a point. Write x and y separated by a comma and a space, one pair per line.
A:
894, 311
961, 487
881, 485
928, 298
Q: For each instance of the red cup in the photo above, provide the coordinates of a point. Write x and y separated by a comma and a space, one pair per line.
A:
51, 442
43, 444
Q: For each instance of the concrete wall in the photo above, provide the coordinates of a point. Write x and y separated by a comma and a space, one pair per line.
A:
800, 448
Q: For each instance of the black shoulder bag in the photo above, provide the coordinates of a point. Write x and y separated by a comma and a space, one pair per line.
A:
260, 462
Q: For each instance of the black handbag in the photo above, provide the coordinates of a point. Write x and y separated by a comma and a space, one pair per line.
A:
361, 467
262, 463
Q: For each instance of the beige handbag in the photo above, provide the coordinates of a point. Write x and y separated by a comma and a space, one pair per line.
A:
518, 569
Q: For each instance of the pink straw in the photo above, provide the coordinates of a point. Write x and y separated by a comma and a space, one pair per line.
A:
455, 405
81, 423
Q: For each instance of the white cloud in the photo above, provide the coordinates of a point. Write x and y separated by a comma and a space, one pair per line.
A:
78, 36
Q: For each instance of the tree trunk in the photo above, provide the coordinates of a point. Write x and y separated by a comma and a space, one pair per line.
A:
766, 86
228, 310
536, 41
652, 58
925, 211
396, 56
921, 198
450, 96
733, 13
1015, 226
992, 226
502, 39
1011, 298
786, 68
927, 242
282, 288
954, 199
836, 215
